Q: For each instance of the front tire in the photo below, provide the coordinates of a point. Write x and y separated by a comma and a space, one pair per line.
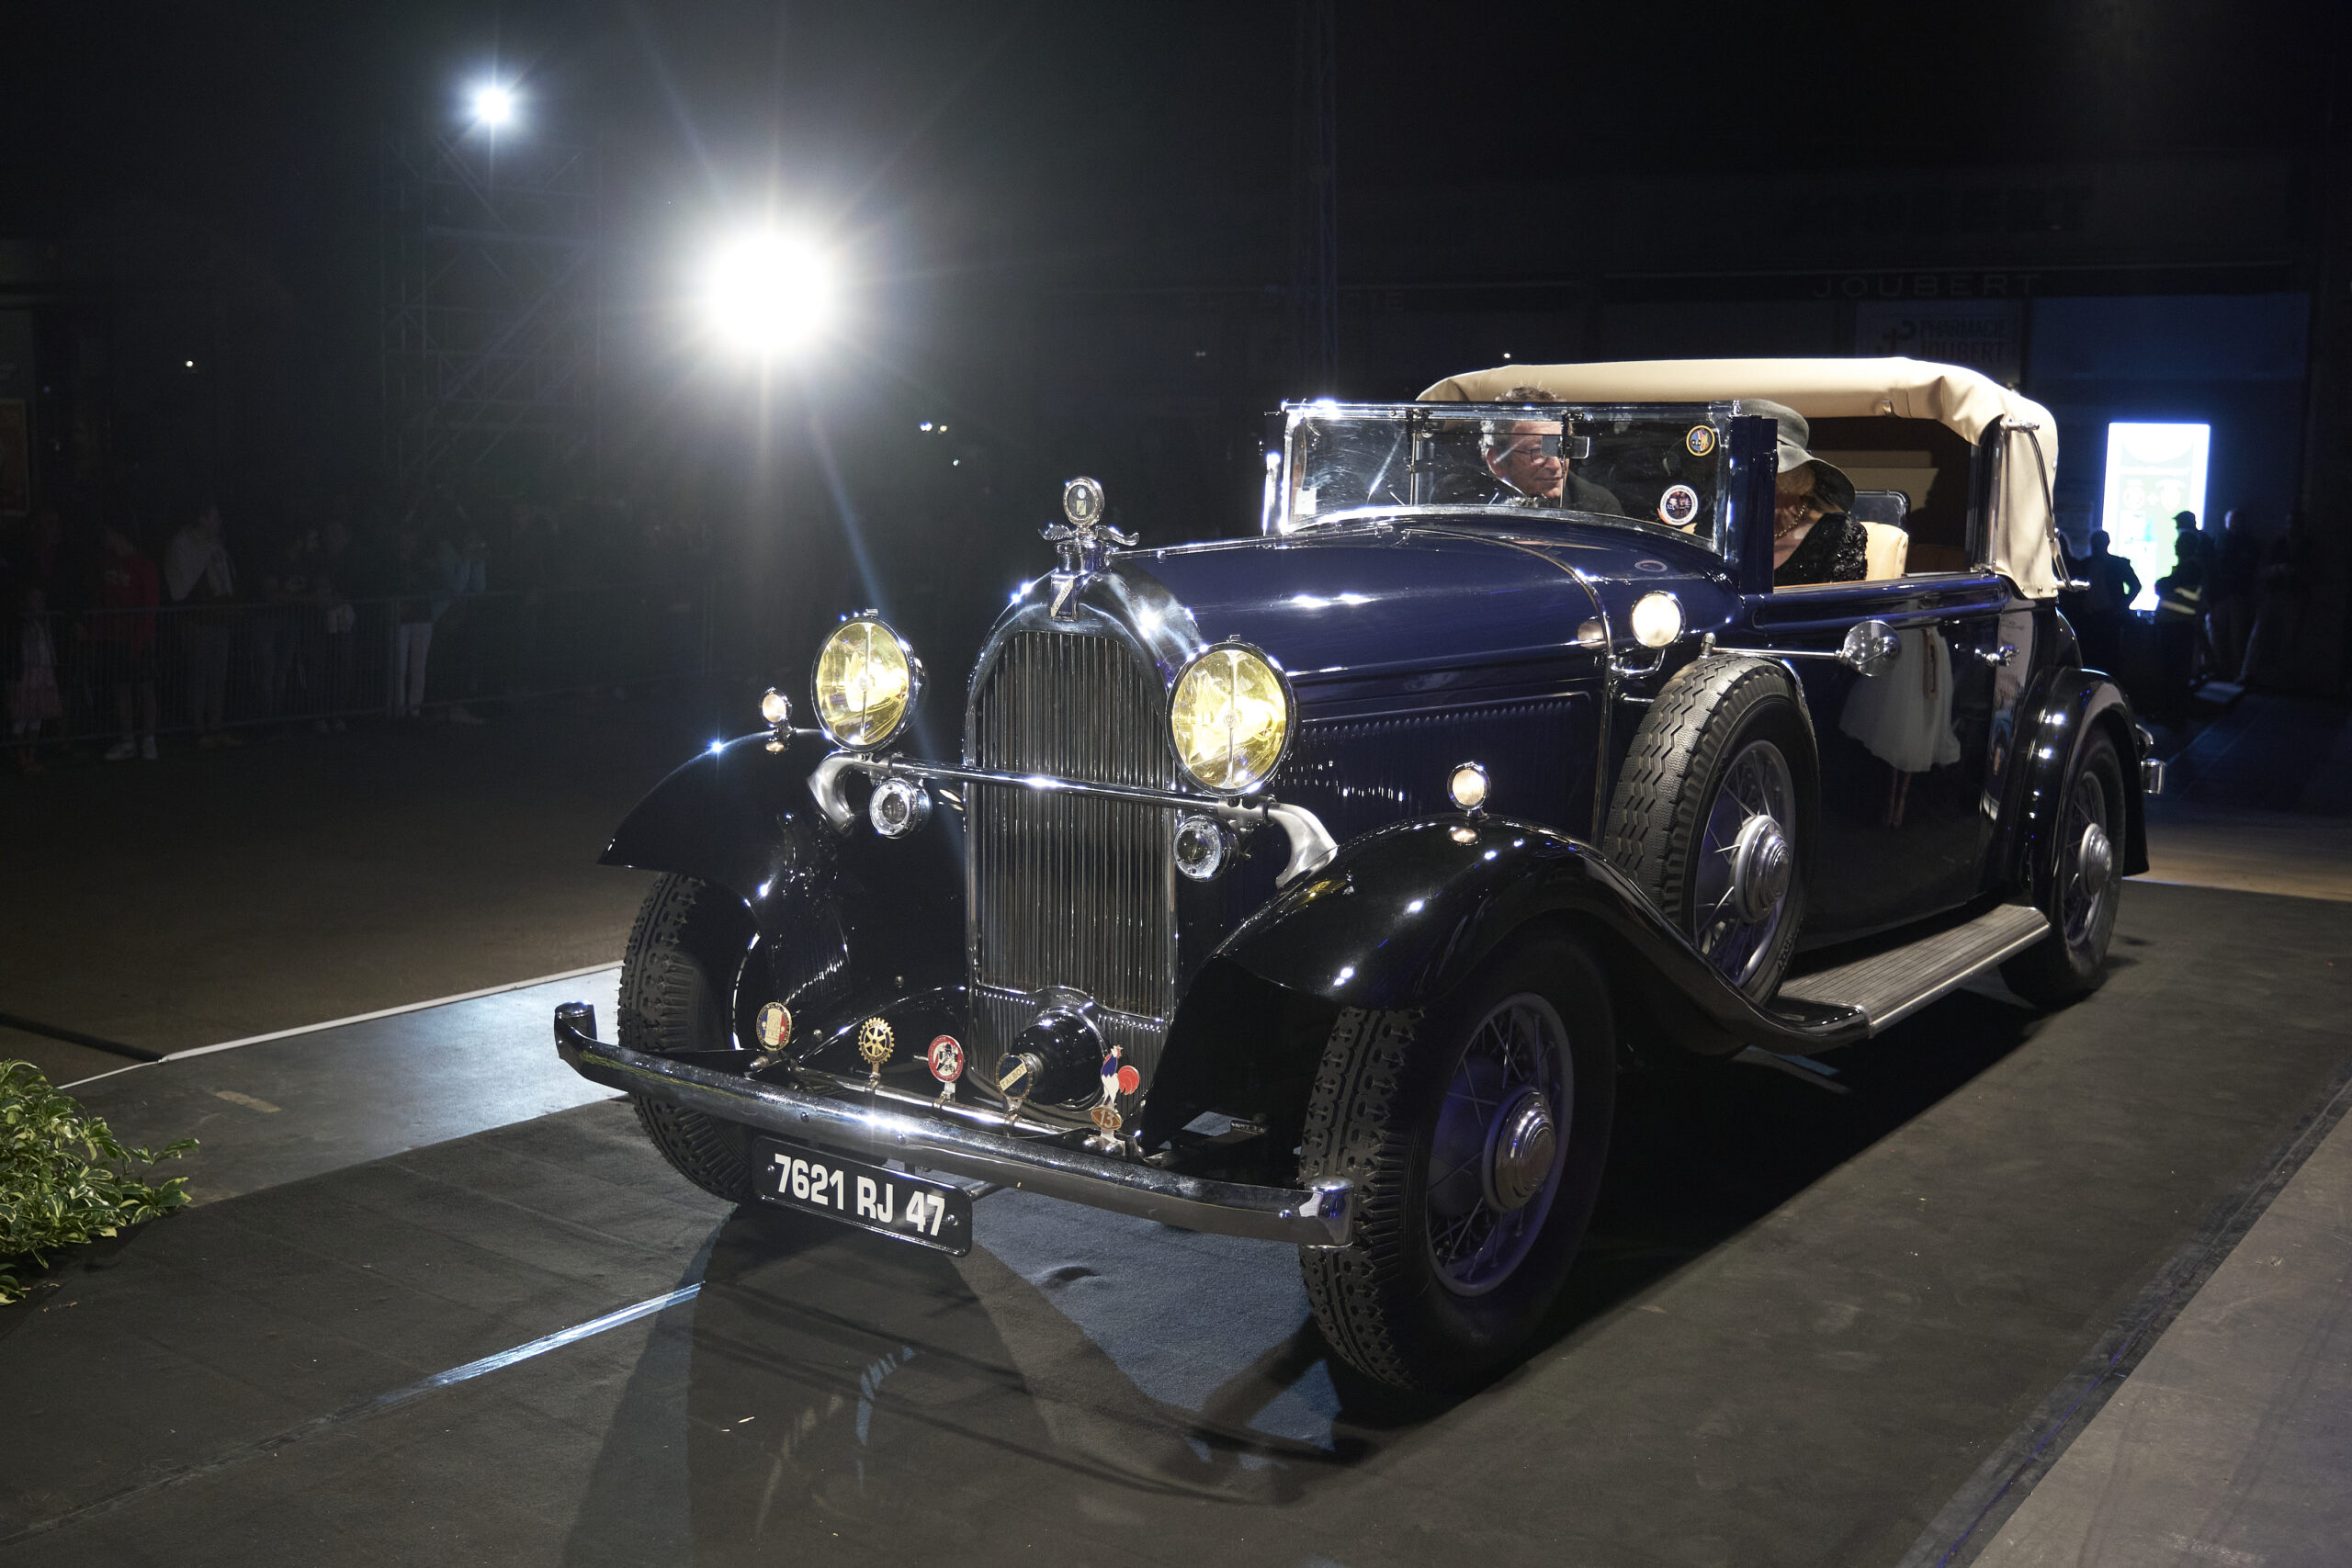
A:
677, 993
2071, 961
1467, 1219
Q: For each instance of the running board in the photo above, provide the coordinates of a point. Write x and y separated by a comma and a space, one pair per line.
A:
1889, 986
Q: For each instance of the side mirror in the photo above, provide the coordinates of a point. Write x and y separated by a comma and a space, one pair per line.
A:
1870, 648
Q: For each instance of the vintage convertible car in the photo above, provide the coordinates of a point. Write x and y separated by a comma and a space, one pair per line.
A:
1312, 888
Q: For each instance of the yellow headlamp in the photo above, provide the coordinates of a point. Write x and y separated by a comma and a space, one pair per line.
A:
866, 682
1232, 717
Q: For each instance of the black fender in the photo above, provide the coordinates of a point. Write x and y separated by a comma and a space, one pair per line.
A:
2076, 704
847, 920
1403, 915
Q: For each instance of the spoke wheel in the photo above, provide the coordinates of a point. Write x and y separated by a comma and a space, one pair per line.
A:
2086, 898
1713, 811
1747, 863
1473, 1134
1495, 1163
2084, 888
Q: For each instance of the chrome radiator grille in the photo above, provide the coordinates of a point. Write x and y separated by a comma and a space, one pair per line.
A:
1068, 890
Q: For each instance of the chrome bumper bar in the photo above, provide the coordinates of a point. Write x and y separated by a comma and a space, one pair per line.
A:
1311, 845
1321, 1215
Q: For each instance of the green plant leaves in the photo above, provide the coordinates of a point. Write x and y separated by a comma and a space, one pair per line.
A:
65, 1178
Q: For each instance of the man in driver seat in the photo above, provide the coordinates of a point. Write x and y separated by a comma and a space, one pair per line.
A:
1528, 456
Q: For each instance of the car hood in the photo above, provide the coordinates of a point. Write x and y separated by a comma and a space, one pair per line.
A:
1340, 607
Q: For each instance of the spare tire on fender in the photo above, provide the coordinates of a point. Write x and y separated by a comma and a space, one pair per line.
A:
1716, 811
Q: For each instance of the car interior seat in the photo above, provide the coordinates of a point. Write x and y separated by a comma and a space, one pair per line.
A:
1886, 546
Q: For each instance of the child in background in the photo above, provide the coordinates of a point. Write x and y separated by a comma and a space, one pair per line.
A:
32, 695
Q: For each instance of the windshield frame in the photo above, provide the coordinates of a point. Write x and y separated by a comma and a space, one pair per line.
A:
1282, 476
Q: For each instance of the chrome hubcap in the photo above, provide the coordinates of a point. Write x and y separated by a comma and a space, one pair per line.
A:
2087, 903
1501, 1145
1761, 863
1746, 863
1519, 1151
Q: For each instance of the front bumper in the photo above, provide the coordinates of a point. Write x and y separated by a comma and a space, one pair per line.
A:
1321, 1215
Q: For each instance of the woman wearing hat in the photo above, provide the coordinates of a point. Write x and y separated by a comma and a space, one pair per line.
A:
1814, 539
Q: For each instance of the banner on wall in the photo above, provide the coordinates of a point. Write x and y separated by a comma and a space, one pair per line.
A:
1984, 334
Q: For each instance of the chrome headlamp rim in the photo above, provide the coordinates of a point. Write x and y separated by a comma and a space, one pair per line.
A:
914, 682
1290, 716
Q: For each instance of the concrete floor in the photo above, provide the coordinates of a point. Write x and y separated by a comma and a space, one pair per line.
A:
1955, 1315
223, 894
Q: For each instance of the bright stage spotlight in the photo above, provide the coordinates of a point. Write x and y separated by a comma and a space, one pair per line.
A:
769, 293
493, 105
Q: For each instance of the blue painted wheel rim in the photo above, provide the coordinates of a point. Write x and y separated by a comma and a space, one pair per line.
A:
1516, 1064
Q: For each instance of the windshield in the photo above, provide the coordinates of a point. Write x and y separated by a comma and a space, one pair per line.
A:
1653, 464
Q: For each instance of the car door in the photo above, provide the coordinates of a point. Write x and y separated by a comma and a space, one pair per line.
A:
1908, 798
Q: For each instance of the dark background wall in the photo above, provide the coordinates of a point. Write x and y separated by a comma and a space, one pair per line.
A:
1074, 233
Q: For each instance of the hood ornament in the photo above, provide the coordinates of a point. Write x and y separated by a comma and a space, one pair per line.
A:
1085, 542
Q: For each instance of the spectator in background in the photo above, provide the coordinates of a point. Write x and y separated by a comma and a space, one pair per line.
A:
2282, 596
2229, 614
420, 587
465, 578
289, 586
66, 565
2180, 616
339, 578
200, 579
124, 639
2105, 604
32, 682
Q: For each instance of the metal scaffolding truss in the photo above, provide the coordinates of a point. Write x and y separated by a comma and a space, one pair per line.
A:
490, 338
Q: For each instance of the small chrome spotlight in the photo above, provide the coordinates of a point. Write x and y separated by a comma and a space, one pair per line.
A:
776, 712
898, 807
1201, 847
1467, 786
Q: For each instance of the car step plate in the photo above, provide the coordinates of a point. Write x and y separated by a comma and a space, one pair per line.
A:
1891, 986
887, 1202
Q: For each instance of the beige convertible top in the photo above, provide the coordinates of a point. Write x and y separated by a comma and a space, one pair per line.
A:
2023, 539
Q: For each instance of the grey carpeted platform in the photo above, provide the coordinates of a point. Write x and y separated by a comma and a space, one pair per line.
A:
1803, 1323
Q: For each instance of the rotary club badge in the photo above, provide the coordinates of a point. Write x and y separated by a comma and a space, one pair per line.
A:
774, 1027
874, 1044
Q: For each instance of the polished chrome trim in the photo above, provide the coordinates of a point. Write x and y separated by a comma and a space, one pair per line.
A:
1320, 1215
2152, 775
1612, 680
1311, 844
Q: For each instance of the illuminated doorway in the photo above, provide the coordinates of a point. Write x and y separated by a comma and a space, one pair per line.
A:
2152, 472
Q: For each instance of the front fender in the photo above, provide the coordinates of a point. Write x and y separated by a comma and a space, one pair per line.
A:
1403, 915
846, 920
2078, 704
738, 815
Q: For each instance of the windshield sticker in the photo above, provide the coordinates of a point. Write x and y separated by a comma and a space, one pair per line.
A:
1701, 440
1679, 507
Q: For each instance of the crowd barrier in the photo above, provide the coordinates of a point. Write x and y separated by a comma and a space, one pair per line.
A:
247, 664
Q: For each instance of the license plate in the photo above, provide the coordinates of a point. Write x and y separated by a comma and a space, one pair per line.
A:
887, 1202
